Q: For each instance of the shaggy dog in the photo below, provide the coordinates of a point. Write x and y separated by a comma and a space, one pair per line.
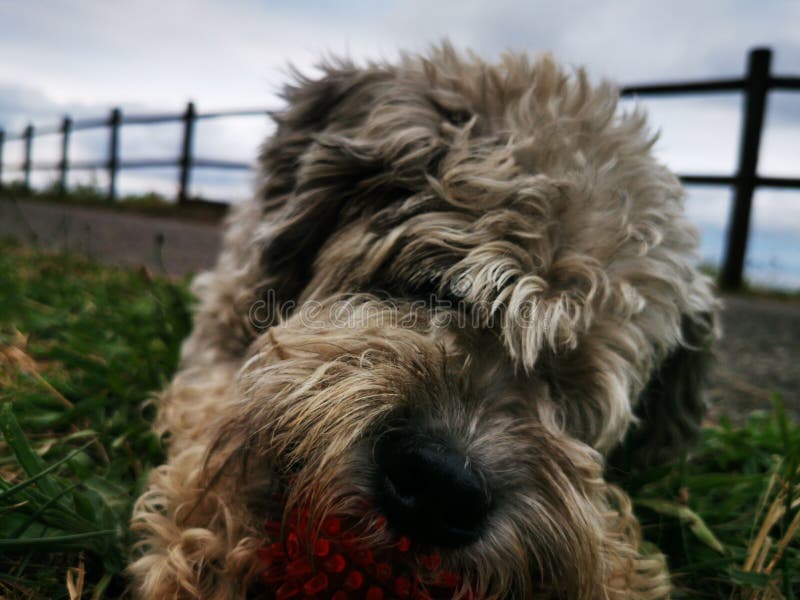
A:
458, 288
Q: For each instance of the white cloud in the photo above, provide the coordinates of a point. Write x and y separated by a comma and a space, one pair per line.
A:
162, 52
83, 57
708, 206
777, 210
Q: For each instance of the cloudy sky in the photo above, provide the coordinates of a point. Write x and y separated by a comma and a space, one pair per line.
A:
82, 57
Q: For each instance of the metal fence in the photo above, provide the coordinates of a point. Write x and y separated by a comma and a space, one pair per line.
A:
757, 82
113, 163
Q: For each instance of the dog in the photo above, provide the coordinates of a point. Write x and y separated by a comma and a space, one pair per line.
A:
461, 292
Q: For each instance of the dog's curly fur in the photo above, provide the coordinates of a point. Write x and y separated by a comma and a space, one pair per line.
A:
515, 273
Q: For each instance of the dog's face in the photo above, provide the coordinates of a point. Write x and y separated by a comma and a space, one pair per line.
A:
371, 410
497, 268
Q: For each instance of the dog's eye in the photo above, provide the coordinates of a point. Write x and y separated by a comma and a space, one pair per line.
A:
456, 115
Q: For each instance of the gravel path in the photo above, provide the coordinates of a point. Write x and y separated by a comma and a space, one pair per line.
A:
162, 244
759, 355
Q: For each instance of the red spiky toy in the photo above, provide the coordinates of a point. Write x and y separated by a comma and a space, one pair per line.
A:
339, 567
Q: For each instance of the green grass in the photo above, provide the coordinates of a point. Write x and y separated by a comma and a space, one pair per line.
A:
84, 347
737, 496
754, 289
151, 203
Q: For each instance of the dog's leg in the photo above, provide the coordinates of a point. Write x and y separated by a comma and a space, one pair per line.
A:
192, 543
631, 575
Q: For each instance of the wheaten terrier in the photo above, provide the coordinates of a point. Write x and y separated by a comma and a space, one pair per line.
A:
457, 289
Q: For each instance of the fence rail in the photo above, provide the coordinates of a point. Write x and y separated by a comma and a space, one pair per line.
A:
755, 86
185, 162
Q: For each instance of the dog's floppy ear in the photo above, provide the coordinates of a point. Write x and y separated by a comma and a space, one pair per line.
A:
341, 152
316, 109
312, 107
260, 269
672, 405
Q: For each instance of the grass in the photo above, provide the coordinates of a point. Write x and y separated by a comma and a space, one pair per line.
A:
755, 290
728, 517
83, 348
151, 203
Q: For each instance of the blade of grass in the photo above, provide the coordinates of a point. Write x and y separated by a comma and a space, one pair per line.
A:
101, 586
75, 580
783, 543
28, 459
53, 541
33, 518
8, 493
687, 516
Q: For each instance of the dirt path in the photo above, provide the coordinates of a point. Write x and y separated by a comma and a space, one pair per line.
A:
760, 353
758, 356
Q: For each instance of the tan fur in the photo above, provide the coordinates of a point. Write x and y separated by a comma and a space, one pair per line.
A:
490, 251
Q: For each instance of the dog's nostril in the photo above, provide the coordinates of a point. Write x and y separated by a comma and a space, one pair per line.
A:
428, 491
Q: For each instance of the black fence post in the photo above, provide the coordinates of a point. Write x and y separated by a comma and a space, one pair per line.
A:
755, 100
63, 166
186, 152
2, 141
113, 152
27, 164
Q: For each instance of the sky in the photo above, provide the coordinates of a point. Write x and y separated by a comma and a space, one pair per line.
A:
83, 57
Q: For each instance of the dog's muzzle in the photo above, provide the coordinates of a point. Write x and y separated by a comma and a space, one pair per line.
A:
428, 490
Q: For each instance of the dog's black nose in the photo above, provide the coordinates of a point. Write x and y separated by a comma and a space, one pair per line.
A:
428, 491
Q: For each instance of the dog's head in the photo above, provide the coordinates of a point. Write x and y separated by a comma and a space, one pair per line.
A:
486, 268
